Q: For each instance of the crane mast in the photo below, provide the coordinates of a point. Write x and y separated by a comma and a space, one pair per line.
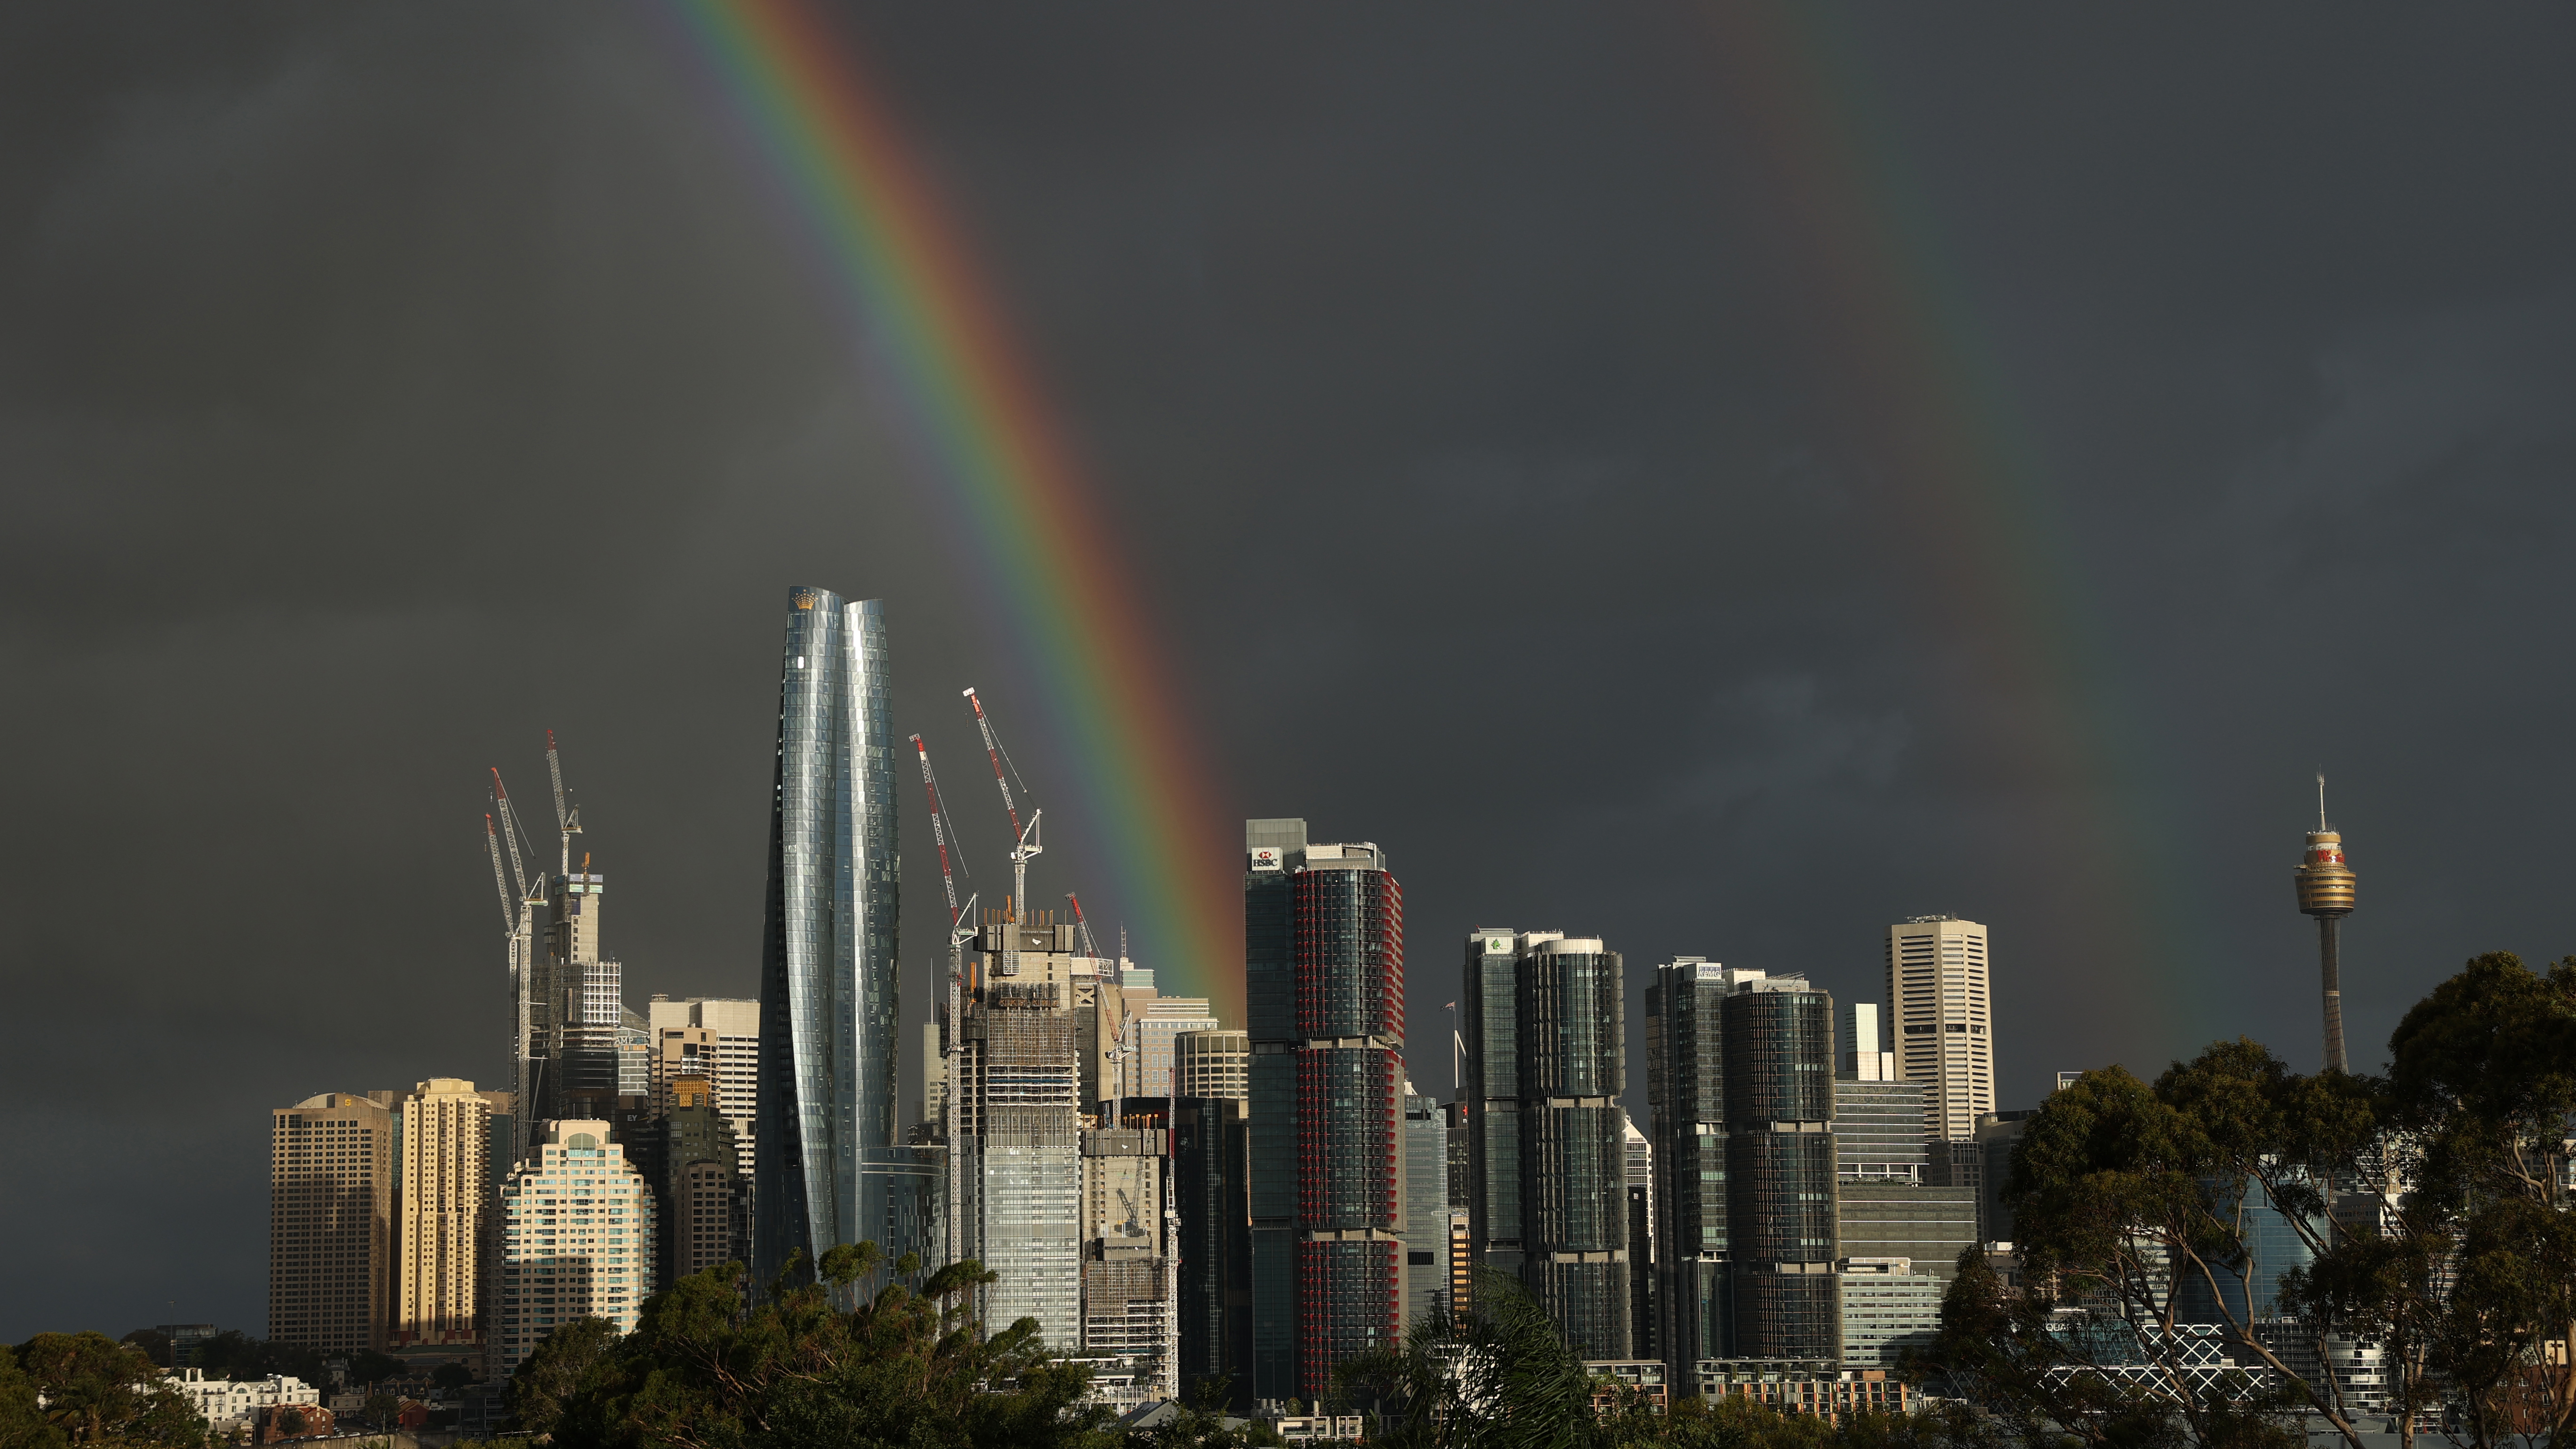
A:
952, 1008
567, 814
517, 920
1082, 927
1025, 841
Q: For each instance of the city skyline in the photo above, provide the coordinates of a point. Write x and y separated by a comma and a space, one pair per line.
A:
1960, 457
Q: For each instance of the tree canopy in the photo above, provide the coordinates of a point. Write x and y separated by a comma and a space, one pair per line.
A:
95, 1391
902, 1367
2430, 1208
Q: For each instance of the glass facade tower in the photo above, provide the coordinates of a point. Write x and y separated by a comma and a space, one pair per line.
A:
1686, 1091
1324, 982
1547, 1055
832, 1169
1781, 1230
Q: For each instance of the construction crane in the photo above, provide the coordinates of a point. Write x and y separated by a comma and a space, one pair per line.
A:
960, 931
567, 812
518, 920
1081, 927
1024, 841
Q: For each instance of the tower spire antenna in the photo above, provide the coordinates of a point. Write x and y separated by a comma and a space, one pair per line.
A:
2321, 802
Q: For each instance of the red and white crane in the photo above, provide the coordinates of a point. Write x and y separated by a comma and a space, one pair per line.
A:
1082, 927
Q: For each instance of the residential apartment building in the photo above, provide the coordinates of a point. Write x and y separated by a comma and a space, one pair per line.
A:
576, 1240
1324, 977
446, 1177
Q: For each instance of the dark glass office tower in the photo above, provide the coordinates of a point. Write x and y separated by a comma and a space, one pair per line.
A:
1490, 1005
1780, 1167
1272, 849
1210, 1171
832, 1168
1546, 1062
1572, 1028
1324, 969
1686, 1089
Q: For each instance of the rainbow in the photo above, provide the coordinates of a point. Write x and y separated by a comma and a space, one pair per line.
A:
1972, 506
1000, 465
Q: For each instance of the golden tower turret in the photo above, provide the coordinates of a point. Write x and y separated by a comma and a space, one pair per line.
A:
2325, 885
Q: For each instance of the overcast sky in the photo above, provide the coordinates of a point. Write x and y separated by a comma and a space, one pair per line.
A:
1716, 483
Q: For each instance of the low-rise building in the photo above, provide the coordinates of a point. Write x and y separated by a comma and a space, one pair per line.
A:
277, 1422
1888, 1310
228, 1403
1805, 1386
1618, 1382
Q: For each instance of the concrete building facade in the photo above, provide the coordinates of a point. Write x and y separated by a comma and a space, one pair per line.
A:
732, 1025
1213, 1064
330, 1221
575, 1240
446, 1177
1939, 993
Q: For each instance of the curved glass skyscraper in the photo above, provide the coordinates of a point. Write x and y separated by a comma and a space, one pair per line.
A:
831, 1169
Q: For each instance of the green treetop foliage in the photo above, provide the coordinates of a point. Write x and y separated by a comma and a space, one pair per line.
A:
2432, 1202
1500, 1377
23, 1425
904, 1367
96, 1391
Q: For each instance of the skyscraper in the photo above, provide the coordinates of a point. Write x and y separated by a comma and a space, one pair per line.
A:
1490, 1004
1641, 1244
701, 1194
330, 1216
446, 1139
1937, 990
832, 1168
576, 1239
1020, 1127
733, 1023
1878, 1119
1128, 1302
1571, 1032
578, 995
1324, 974
1780, 1166
1425, 1228
1551, 1203
1686, 1088
1147, 1065
1211, 1164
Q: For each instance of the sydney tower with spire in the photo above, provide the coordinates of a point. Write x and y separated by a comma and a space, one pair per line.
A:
2326, 892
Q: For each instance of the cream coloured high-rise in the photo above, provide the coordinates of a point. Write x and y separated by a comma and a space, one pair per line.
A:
1943, 1029
330, 1236
446, 1173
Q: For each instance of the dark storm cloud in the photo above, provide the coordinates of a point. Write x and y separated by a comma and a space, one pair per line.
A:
380, 387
